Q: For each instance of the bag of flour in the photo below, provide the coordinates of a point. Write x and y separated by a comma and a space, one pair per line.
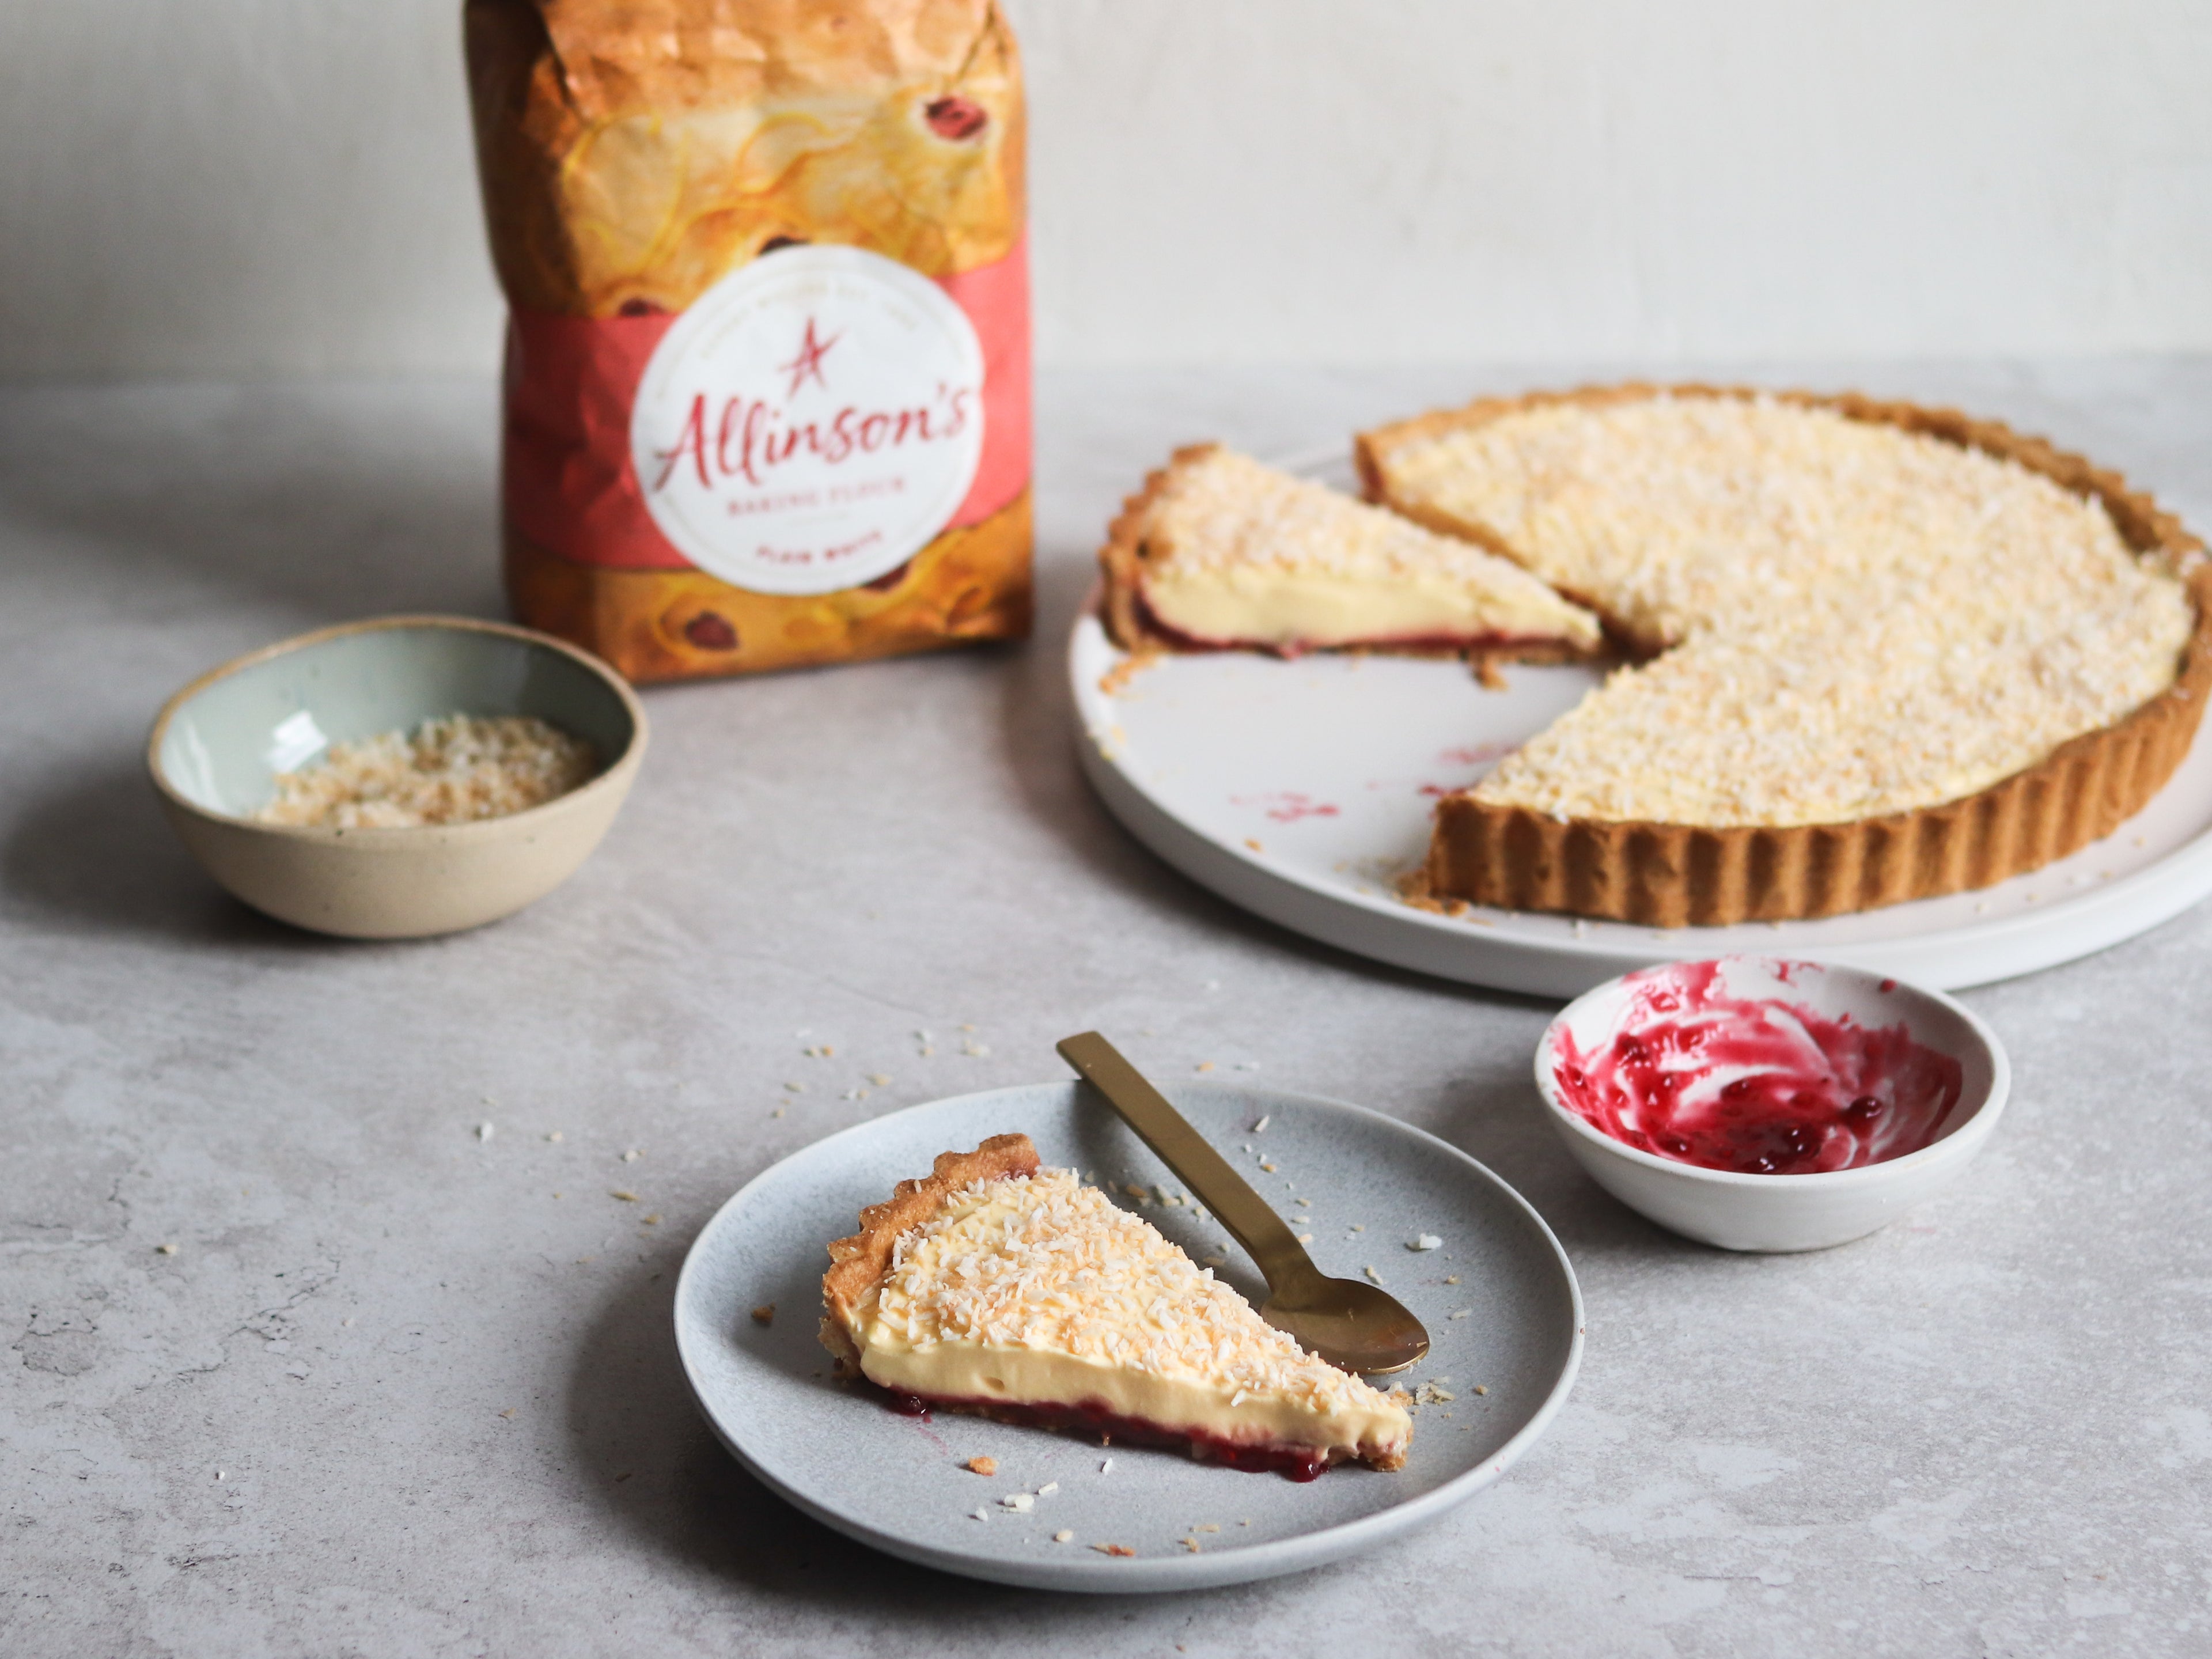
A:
767, 397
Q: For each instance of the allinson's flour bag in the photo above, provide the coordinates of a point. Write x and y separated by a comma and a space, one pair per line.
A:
767, 374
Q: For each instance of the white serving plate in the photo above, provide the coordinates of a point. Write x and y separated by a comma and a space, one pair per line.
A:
1301, 791
899, 1483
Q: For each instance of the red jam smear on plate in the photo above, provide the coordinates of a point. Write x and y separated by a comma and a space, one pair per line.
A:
1756, 1086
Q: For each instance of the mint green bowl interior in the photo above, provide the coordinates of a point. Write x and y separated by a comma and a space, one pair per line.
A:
225, 744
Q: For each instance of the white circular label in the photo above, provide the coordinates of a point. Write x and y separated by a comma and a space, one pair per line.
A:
811, 422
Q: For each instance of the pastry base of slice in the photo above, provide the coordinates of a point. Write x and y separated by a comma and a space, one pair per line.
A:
1290, 605
1673, 875
997, 1288
1093, 1420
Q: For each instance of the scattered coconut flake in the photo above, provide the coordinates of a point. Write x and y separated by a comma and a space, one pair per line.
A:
484, 1131
1063, 1536
1261, 1127
1021, 1502
1424, 1242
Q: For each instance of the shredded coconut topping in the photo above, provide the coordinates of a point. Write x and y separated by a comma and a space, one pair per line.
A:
1859, 619
1045, 1262
452, 770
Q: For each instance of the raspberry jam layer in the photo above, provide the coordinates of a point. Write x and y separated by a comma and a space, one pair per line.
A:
1291, 650
1091, 1417
1755, 1085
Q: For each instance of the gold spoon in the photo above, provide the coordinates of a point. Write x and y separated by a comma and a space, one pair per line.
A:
1350, 1324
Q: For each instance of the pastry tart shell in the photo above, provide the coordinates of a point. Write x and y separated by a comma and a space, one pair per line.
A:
1673, 875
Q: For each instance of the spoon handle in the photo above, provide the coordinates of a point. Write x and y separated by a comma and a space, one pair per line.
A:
1224, 1193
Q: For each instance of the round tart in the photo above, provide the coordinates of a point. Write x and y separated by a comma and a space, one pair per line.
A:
1886, 652
1000, 1288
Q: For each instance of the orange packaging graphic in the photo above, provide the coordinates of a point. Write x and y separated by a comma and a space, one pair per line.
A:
767, 399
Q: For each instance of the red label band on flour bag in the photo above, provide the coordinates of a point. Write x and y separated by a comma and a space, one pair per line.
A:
768, 385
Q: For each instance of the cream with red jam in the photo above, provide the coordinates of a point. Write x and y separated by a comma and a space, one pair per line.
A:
1753, 1085
1220, 552
1014, 1292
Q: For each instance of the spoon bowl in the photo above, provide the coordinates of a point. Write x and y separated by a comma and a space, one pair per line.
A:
1349, 1323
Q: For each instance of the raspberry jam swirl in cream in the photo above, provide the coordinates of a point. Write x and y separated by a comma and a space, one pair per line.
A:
1756, 1086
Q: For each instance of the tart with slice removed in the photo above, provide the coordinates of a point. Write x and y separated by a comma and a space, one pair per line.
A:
1219, 552
1014, 1292
1892, 652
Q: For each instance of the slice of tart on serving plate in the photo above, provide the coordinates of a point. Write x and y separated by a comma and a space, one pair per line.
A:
1220, 552
997, 1287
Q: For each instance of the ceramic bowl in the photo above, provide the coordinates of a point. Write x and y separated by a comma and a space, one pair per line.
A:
1748, 1211
218, 743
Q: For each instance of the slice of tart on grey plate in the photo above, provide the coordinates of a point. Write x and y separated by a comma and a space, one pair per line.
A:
999, 1287
1220, 552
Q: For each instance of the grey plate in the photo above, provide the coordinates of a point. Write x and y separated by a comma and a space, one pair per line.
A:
897, 1483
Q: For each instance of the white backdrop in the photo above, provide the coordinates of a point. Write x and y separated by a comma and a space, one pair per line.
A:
248, 186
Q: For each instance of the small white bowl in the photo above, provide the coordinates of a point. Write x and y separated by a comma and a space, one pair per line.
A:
1748, 1211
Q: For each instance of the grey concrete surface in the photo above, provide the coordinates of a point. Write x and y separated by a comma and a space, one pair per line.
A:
401, 1390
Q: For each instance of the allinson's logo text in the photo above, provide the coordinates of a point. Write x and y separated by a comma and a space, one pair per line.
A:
812, 421
750, 438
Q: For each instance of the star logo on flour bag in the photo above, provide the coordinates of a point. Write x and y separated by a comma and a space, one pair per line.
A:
808, 363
